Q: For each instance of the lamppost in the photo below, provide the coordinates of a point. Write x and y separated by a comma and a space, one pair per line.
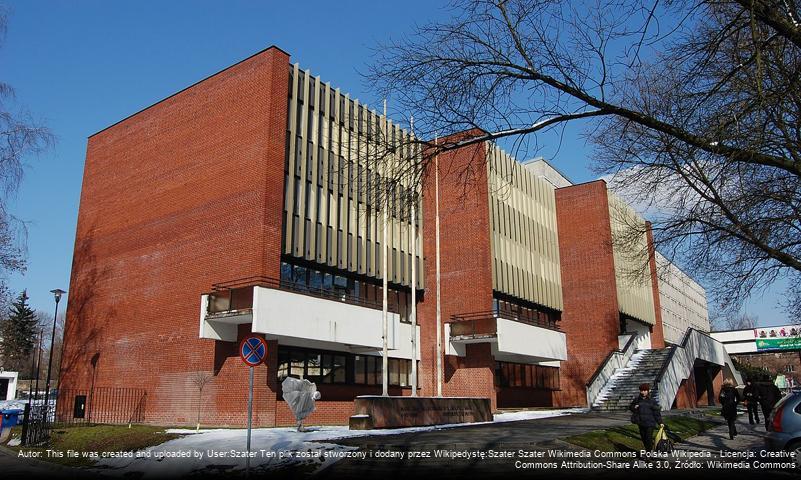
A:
57, 293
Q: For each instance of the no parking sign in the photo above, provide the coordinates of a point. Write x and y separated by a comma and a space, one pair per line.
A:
253, 350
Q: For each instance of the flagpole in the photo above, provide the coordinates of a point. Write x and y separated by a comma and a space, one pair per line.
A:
414, 267
385, 354
436, 233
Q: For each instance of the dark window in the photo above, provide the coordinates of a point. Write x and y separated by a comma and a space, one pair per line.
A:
526, 376
79, 408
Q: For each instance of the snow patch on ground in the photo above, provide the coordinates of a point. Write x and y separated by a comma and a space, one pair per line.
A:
216, 450
12, 404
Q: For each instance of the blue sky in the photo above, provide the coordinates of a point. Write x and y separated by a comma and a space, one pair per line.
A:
82, 65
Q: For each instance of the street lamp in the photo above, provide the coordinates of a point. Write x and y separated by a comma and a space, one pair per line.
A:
57, 293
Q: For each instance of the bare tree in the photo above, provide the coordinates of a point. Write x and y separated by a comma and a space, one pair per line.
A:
693, 107
740, 321
21, 136
200, 379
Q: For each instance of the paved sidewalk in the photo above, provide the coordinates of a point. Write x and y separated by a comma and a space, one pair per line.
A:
13, 467
749, 438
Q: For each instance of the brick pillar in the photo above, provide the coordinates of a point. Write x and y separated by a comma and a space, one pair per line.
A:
466, 269
658, 333
590, 318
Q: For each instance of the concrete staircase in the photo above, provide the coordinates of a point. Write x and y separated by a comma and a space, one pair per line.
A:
621, 389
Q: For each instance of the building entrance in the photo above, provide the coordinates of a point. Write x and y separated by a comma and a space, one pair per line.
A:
3, 388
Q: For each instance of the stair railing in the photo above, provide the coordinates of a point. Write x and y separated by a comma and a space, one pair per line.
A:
617, 358
679, 364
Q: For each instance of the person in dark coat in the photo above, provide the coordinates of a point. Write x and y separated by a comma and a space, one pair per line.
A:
647, 414
729, 398
751, 398
769, 394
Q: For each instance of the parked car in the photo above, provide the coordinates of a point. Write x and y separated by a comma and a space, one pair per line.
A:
784, 424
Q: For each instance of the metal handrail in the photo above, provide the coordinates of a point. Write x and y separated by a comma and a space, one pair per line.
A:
606, 359
673, 349
465, 317
278, 284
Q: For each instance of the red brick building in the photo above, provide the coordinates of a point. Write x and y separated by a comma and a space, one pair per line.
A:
245, 203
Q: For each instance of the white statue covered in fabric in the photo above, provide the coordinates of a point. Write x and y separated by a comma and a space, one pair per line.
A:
300, 395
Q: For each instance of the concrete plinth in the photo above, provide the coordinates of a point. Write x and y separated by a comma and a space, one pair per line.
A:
394, 412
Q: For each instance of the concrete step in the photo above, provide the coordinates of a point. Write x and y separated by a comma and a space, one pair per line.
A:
624, 385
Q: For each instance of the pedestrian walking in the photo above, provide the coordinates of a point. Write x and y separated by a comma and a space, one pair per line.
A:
646, 414
769, 394
751, 398
729, 398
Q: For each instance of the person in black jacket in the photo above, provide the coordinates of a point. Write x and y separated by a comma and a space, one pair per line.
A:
729, 398
769, 394
647, 414
751, 397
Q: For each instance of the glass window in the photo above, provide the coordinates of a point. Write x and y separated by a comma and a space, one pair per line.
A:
328, 282
374, 371
313, 363
340, 282
283, 364
394, 371
360, 363
325, 367
405, 366
379, 370
300, 277
297, 362
286, 272
338, 369
315, 280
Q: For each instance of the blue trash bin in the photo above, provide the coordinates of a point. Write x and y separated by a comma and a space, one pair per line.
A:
11, 418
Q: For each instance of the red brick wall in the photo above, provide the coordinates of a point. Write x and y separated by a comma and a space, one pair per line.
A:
590, 318
693, 391
658, 332
466, 269
183, 194
687, 394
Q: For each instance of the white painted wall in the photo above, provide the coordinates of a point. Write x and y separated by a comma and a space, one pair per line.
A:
12, 385
306, 321
548, 172
537, 343
642, 338
278, 313
518, 342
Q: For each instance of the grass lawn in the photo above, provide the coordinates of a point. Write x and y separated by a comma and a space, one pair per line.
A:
100, 438
627, 438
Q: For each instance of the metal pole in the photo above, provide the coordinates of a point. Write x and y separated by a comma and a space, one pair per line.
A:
250, 421
414, 273
439, 308
50, 362
33, 366
38, 364
29, 407
385, 353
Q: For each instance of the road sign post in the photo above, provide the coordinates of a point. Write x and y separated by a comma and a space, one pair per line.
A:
253, 351
250, 420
